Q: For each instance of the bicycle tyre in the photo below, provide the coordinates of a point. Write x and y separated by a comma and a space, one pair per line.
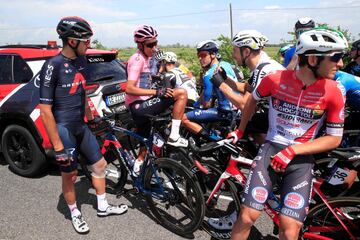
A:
187, 197
321, 215
223, 205
115, 173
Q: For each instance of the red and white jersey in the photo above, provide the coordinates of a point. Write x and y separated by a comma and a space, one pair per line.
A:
297, 113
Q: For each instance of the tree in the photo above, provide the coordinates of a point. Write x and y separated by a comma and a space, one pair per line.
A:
98, 45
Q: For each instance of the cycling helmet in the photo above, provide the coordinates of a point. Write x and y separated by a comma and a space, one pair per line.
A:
170, 57
159, 55
74, 27
249, 38
207, 45
304, 23
143, 33
321, 41
283, 49
356, 44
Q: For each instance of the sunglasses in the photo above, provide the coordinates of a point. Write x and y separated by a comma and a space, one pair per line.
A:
151, 45
202, 54
334, 57
86, 41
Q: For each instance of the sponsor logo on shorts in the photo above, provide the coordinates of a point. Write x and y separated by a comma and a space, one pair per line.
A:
290, 213
300, 185
262, 179
257, 206
294, 200
260, 194
248, 183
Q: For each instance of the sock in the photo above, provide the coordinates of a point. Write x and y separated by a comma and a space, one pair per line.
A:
175, 127
102, 202
74, 210
137, 165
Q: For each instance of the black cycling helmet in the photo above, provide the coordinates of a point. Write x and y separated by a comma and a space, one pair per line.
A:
208, 45
74, 27
304, 22
356, 45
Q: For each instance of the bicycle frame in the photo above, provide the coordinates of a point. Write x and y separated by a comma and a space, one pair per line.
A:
232, 171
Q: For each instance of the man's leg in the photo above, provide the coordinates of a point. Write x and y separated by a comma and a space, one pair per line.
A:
98, 181
289, 228
68, 187
243, 224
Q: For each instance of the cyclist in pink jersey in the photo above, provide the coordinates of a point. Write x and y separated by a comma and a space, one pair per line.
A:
300, 102
141, 99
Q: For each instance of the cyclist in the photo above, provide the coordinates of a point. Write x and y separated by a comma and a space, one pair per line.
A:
283, 50
177, 78
247, 51
354, 66
300, 101
302, 24
208, 54
63, 106
142, 100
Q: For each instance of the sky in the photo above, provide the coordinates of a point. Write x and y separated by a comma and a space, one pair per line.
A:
186, 22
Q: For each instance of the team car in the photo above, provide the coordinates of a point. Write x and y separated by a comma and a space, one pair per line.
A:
24, 142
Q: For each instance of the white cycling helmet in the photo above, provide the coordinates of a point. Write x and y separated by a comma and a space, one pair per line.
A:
321, 41
249, 38
170, 57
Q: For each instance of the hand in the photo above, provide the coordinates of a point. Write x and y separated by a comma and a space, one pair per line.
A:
280, 161
63, 157
236, 135
219, 77
164, 92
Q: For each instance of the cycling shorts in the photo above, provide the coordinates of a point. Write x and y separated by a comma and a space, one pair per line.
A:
210, 115
152, 106
78, 138
295, 183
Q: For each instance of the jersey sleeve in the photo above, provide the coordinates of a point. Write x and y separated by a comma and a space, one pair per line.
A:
335, 112
134, 67
48, 82
208, 87
263, 89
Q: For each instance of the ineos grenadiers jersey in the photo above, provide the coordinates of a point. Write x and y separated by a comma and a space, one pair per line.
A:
297, 113
351, 84
62, 84
209, 88
265, 66
139, 69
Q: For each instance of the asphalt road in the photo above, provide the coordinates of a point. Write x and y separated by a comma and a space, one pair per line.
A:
34, 208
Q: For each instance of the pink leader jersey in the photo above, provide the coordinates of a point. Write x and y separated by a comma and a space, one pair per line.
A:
138, 69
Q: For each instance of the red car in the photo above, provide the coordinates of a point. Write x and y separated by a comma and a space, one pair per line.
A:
24, 142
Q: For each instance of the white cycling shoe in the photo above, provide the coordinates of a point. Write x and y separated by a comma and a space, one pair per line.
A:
180, 142
79, 224
223, 223
113, 210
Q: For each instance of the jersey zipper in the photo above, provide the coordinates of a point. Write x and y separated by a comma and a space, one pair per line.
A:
297, 107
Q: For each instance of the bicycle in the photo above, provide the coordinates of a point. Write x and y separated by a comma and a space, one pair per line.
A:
171, 191
324, 221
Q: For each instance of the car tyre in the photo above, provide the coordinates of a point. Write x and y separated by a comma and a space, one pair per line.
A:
21, 152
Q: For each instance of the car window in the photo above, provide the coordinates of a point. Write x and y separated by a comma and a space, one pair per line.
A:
13, 69
98, 71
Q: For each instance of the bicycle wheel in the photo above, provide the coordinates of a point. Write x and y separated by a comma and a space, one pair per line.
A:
224, 203
174, 196
322, 222
115, 172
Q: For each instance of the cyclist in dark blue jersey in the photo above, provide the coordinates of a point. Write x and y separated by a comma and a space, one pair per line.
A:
302, 24
63, 107
354, 66
209, 59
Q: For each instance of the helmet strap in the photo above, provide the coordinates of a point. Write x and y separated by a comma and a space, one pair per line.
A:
243, 64
316, 67
141, 47
75, 48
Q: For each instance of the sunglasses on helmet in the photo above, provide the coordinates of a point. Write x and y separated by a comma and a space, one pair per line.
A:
151, 45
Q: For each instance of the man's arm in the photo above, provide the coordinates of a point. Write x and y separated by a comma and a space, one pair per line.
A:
319, 145
50, 126
132, 89
247, 112
88, 113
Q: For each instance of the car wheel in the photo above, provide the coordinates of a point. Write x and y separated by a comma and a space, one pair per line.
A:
21, 152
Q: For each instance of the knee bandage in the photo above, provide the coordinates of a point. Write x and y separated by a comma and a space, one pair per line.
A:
98, 172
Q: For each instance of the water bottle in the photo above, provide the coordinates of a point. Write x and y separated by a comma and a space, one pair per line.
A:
274, 202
